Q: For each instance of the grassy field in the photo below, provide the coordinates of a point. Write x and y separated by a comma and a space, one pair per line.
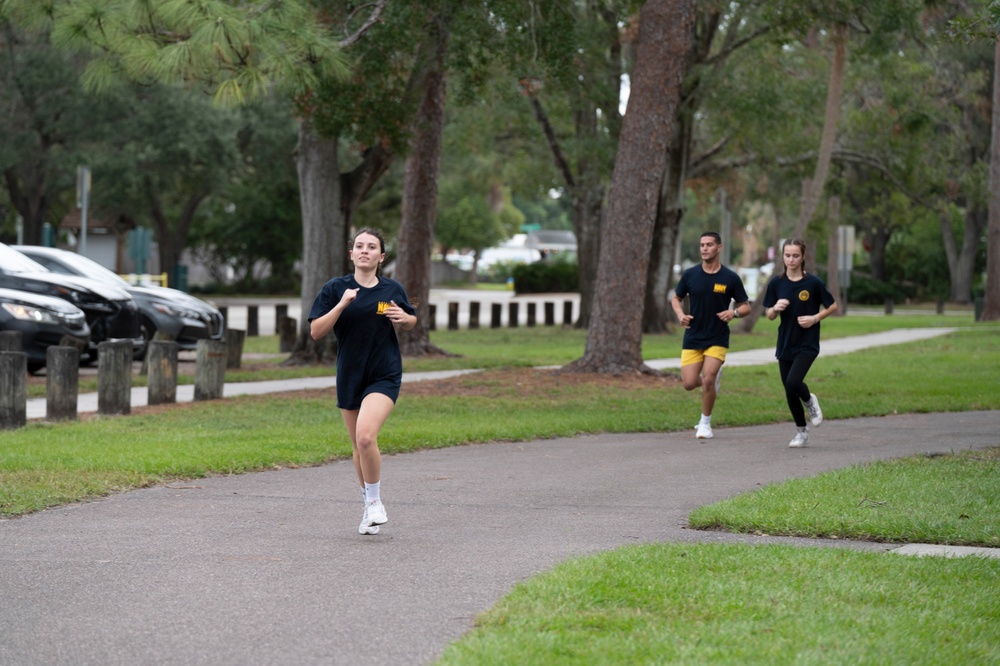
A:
665, 603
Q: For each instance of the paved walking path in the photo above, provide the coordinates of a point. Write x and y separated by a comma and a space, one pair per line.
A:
268, 568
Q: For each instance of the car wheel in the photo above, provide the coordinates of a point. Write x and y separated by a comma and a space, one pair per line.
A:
147, 329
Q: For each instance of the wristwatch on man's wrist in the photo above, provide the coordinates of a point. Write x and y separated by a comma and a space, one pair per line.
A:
736, 313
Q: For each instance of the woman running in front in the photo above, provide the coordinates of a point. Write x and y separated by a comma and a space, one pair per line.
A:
362, 310
802, 301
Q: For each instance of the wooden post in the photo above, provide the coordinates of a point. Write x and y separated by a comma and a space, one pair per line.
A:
234, 347
568, 312
62, 383
162, 355
253, 327
512, 315
432, 313
453, 316
13, 389
159, 335
114, 377
280, 310
550, 314
474, 314
224, 311
209, 369
495, 311
532, 316
288, 331
10, 341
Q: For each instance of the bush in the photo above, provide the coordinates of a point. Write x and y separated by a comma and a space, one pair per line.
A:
867, 291
545, 277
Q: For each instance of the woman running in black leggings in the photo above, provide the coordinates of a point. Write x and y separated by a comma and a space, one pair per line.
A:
803, 301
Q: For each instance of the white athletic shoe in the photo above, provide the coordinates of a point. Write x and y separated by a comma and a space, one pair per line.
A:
801, 439
704, 431
366, 527
815, 413
375, 513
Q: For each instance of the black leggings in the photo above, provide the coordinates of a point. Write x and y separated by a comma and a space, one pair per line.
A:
793, 376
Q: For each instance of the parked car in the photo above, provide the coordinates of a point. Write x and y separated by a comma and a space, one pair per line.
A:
44, 321
110, 311
185, 318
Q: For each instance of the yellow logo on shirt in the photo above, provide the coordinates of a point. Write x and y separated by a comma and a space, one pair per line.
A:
382, 307
804, 295
720, 288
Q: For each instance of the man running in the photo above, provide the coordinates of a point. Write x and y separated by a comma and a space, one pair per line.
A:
713, 290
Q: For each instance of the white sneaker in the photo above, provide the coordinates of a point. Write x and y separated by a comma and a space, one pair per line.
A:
375, 513
704, 431
815, 413
366, 527
718, 381
801, 439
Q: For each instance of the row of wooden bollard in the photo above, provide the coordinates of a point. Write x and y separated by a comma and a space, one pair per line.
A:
285, 326
114, 376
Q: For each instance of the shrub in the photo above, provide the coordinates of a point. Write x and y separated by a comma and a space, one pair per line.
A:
545, 277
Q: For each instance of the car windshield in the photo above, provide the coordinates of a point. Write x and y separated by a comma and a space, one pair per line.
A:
12, 261
90, 268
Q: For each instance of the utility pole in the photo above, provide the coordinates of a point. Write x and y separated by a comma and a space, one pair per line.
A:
83, 203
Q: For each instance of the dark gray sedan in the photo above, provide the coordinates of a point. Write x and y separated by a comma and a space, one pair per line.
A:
43, 321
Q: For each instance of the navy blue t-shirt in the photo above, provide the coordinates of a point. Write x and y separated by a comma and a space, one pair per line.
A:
710, 294
368, 357
805, 297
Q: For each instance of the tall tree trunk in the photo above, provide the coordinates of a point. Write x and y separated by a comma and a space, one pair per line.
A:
614, 339
962, 261
878, 237
830, 118
991, 302
172, 238
420, 188
657, 313
324, 247
29, 198
965, 262
588, 210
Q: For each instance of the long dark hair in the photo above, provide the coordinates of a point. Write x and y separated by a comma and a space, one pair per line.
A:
801, 245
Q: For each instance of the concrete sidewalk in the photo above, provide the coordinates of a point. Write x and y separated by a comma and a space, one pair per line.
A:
268, 568
87, 402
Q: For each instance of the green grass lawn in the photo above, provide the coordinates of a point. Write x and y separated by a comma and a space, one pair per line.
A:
734, 604
664, 603
953, 499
